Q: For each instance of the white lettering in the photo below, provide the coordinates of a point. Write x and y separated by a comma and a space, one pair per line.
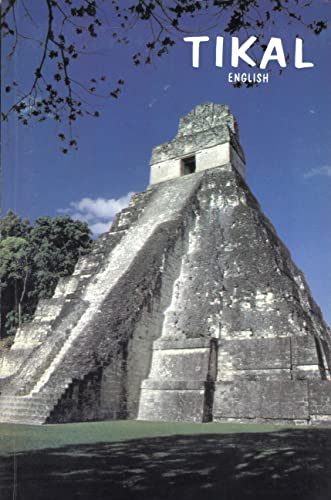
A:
239, 51
248, 78
219, 51
277, 45
299, 55
273, 52
196, 40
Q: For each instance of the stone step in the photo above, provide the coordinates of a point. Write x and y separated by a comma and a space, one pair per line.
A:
48, 309
59, 387
90, 261
27, 377
13, 358
65, 286
23, 410
21, 419
131, 213
27, 404
23, 399
32, 409
32, 332
23, 405
23, 416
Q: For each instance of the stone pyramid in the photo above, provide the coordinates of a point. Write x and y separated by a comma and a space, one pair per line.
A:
190, 307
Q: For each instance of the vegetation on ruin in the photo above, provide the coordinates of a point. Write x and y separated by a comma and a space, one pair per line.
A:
32, 259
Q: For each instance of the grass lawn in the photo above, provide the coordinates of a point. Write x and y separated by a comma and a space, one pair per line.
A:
129, 460
16, 438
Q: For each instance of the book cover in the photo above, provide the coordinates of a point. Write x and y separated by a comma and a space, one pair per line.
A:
89, 90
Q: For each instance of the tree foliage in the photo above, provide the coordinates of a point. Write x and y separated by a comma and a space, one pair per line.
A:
32, 259
67, 30
12, 225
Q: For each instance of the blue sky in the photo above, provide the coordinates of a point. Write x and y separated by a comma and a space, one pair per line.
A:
284, 130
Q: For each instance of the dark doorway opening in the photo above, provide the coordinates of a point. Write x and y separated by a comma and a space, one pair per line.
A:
188, 165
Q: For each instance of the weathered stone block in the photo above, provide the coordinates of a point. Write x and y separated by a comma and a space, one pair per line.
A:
304, 350
179, 385
320, 397
281, 400
181, 343
307, 372
180, 364
253, 354
176, 405
266, 374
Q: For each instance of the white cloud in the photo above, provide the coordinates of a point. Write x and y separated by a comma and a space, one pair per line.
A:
100, 207
152, 102
324, 171
98, 212
100, 227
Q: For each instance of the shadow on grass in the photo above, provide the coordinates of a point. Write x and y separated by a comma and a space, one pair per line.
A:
285, 465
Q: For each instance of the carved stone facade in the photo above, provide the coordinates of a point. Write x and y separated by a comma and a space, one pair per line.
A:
209, 134
189, 308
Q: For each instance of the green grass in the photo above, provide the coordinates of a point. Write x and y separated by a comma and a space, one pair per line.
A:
14, 438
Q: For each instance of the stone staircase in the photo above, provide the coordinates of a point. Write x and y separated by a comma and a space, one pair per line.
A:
24, 409
35, 408
64, 352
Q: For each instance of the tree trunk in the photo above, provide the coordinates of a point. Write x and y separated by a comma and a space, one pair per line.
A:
22, 298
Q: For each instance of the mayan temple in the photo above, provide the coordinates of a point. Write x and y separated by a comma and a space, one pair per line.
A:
189, 308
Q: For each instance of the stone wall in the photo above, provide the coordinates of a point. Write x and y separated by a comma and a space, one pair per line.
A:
238, 286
